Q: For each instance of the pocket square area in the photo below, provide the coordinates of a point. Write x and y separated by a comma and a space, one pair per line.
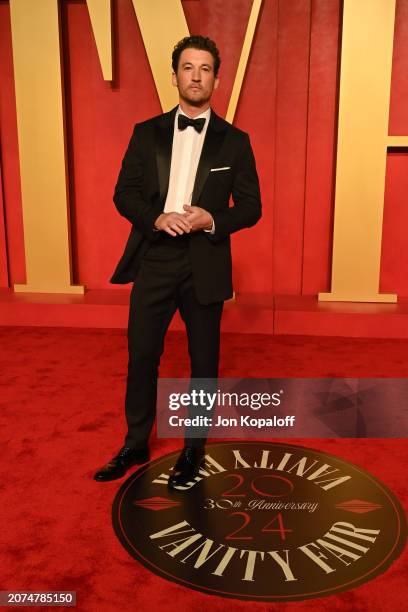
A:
219, 169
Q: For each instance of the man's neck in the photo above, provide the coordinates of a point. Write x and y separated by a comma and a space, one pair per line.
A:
193, 111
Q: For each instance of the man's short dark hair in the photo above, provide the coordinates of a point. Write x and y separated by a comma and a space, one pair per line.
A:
196, 42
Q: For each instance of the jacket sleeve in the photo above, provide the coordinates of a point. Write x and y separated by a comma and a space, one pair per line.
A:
247, 209
128, 196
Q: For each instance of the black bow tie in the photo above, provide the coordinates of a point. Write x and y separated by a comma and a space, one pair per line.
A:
184, 122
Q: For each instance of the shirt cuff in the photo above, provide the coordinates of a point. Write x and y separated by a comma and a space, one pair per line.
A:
212, 230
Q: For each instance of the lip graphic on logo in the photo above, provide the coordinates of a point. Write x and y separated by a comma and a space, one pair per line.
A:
262, 521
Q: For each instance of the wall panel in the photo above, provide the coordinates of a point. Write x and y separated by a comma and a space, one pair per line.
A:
288, 104
9, 153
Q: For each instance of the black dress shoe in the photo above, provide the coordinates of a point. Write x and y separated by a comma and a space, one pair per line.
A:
187, 466
119, 465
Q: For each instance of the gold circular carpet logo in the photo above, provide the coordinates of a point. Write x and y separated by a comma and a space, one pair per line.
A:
262, 521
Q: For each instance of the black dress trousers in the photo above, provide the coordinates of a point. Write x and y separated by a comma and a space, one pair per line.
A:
163, 284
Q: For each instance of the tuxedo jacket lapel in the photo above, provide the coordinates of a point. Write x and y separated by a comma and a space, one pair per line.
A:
211, 147
164, 143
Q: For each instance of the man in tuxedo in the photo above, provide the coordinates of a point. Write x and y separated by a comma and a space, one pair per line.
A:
174, 187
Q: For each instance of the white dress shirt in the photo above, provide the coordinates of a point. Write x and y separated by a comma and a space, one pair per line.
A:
185, 155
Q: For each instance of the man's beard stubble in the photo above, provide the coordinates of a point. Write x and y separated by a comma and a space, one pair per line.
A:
195, 101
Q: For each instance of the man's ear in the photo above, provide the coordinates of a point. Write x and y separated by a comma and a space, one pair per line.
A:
216, 83
174, 79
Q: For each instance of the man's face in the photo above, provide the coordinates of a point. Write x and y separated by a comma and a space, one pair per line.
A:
195, 78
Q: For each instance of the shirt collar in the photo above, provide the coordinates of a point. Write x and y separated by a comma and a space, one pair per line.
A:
205, 115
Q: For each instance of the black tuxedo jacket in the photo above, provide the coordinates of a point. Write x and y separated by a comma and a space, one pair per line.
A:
141, 190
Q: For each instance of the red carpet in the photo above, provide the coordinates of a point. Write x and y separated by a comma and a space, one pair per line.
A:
61, 395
